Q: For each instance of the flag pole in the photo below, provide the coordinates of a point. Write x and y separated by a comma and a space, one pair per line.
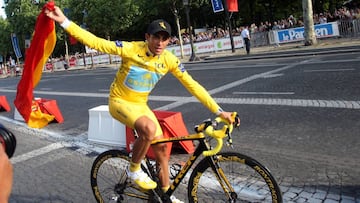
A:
229, 25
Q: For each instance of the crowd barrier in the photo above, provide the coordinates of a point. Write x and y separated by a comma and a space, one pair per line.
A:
344, 28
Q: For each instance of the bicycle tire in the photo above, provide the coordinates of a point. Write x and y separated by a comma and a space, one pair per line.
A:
252, 182
109, 181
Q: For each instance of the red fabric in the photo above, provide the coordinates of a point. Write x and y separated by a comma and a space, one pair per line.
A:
72, 40
232, 5
42, 45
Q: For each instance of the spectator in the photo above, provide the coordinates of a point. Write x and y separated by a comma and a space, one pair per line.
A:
245, 34
322, 19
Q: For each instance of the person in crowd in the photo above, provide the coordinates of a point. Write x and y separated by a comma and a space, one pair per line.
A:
322, 19
245, 34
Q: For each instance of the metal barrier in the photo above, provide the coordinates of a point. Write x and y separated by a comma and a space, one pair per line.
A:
346, 28
349, 28
259, 39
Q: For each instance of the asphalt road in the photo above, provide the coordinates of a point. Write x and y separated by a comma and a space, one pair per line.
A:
300, 117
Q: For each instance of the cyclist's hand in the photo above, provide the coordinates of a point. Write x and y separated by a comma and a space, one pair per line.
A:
57, 15
228, 116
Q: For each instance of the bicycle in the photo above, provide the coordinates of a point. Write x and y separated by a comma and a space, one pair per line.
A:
218, 176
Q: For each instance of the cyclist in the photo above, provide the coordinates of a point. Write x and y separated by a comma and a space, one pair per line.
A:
6, 175
144, 63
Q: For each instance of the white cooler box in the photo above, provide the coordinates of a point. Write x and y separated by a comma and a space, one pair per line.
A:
104, 129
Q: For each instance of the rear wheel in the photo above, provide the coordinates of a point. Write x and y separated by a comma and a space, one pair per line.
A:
109, 181
243, 179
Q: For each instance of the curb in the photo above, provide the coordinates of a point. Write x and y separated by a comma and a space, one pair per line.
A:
288, 53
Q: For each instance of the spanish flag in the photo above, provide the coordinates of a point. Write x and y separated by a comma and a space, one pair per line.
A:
41, 47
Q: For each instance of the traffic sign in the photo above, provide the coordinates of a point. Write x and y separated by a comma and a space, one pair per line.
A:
15, 43
217, 5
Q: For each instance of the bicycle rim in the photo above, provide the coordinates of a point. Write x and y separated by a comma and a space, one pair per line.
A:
109, 181
248, 180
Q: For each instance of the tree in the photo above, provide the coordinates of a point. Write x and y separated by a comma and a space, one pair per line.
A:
21, 16
309, 32
5, 42
128, 19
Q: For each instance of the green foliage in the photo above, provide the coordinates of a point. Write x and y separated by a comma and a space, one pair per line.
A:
21, 16
128, 19
5, 42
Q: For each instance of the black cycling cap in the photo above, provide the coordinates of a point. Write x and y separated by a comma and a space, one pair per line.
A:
158, 26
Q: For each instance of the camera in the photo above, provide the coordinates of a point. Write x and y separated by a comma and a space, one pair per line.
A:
7, 140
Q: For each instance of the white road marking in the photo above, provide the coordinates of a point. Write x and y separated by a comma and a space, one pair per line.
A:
266, 93
36, 153
234, 84
46, 89
329, 70
292, 102
273, 75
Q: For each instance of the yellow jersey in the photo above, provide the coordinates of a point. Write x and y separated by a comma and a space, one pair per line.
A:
140, 70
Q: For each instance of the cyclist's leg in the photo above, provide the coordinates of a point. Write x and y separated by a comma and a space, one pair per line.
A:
137, 116
162, 159
146, 130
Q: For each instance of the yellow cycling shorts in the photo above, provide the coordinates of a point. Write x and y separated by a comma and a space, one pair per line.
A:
128, 112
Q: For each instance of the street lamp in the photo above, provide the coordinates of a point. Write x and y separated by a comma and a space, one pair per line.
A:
187, 11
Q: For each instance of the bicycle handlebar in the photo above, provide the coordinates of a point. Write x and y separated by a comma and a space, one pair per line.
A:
218, 134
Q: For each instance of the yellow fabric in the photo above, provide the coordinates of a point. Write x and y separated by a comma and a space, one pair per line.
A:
146, 185
140, 71
165, 188
129, 112
39, 119
135, 166
49, 46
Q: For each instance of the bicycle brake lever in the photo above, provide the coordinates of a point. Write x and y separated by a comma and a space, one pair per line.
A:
229, 141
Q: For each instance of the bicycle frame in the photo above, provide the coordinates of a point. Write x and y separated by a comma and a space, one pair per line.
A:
203, 146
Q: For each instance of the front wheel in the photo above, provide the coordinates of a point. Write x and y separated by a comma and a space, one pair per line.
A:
233, 178
109, 181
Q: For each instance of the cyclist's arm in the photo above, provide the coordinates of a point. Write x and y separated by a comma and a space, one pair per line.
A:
198, 90
82, 35
195, 88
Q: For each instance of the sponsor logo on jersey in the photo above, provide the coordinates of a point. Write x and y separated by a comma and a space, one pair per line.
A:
141, 80
119, 43
181, 67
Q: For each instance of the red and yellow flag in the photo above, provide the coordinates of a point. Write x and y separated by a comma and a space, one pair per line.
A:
41, 47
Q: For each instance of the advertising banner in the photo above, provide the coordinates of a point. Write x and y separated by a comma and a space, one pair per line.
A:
15, 43
207, 46
297, 34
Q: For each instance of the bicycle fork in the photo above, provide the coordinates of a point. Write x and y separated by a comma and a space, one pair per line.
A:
222, 179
